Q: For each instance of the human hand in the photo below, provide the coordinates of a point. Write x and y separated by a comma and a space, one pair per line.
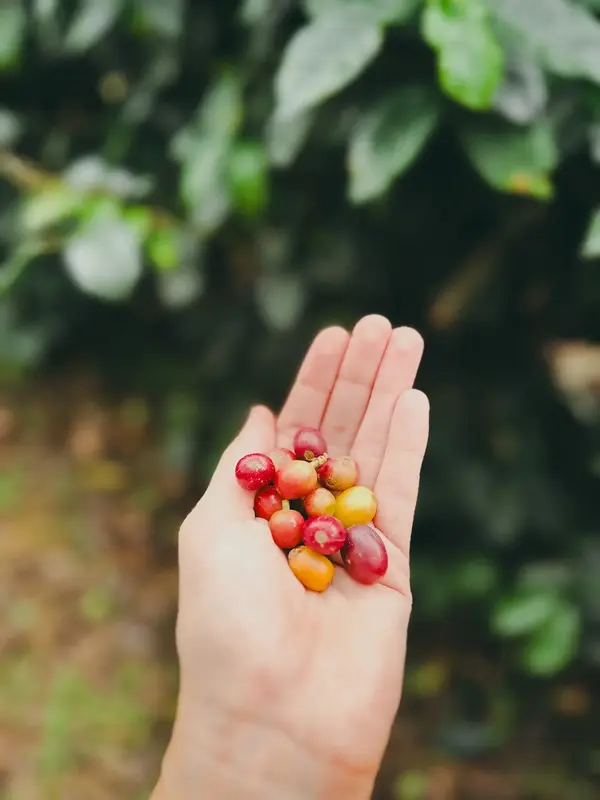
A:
285, 693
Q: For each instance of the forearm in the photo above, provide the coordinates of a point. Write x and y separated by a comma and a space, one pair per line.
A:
245, 763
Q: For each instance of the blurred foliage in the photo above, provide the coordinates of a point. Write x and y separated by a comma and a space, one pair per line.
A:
189, 190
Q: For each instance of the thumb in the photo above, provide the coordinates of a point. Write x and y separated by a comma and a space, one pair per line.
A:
257, 436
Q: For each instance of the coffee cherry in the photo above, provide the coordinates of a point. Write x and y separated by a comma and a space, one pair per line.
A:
267, 501
338, 474
364, 554
254, 471
313, 570
319, 501
323, 534
281, 456
286, 528
309, 444
296, 480
355, 506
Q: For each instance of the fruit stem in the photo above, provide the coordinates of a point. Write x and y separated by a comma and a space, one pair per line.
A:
318, 462
285, 505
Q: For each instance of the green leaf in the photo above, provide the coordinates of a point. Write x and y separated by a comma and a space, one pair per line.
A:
475, 577
205, 195
12, 30
388, 139
139, 219
93, 174
564, 37
594, 138
591, 244
285, 137
46, 18
523, 93
469, 57
220, 112
248, 178
44, 11
95, 206
322, 58
92, 21
104, 258
160, 17
523, 613
10, 127
513, 160
48, 207
203, 149
554, 644
254, 11
380, 11
16, 264
202, 185
554, 577
21, 347
164, 248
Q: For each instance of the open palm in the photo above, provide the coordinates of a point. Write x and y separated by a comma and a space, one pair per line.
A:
323, 672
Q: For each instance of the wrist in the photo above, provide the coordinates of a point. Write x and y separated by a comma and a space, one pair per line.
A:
243, 760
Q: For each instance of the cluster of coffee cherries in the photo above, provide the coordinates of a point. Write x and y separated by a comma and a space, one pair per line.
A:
316, 509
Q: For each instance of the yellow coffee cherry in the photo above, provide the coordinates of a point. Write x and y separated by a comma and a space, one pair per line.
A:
355, 506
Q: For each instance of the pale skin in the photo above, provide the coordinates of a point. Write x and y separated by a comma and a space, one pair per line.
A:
285, 693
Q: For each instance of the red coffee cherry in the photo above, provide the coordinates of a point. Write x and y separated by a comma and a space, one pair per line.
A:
286, 528
309, 443
254, 471
364, 554
267, 501
323, 534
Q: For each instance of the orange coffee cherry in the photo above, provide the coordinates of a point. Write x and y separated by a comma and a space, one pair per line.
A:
319, 501
313, 570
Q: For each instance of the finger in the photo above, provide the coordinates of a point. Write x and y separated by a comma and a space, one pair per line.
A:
257, 436
309, 395
350, 395
397, 484
396, 374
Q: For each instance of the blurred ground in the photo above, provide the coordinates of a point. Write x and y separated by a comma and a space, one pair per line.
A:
88, 515
85, 680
